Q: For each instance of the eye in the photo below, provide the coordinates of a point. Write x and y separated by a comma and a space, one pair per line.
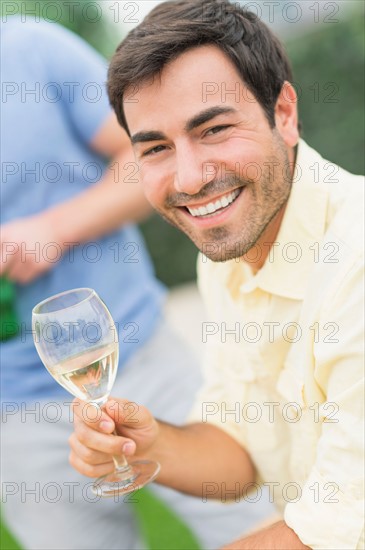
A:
154, 150
216, 129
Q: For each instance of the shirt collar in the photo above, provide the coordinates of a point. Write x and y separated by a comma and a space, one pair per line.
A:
287, 268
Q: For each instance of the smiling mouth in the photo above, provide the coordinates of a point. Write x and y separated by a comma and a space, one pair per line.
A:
213, 208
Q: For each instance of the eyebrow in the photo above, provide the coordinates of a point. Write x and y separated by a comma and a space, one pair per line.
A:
195, 122
142, 137
206, 116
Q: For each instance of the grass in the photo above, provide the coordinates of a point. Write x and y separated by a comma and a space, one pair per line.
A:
7, 542
160, 527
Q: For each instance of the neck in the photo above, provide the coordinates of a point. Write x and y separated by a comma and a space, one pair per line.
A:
266, 241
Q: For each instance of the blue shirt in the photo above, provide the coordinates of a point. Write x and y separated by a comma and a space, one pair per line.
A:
54, 102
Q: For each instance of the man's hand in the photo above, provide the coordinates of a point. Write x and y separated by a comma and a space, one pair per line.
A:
29, 247
275, 537
93, 441
190, 456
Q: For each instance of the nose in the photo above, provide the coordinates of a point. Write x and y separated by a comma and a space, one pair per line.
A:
192, 171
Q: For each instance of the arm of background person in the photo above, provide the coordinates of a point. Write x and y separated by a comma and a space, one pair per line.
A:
116, 199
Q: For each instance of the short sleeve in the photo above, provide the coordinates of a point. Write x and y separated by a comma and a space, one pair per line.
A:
73, 73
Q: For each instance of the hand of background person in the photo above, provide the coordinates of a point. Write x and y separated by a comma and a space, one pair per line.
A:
29, 247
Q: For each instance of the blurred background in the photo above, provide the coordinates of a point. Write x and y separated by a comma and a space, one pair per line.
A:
325, 41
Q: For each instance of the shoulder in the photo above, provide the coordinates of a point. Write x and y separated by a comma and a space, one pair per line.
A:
22, 32
30, 28
344, 192
33, 38
346, 211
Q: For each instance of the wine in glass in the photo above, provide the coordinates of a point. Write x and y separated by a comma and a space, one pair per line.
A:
77, 341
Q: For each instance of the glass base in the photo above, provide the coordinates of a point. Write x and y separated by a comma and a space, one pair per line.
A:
137, 476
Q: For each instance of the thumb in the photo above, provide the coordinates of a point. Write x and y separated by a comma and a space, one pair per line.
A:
127, 413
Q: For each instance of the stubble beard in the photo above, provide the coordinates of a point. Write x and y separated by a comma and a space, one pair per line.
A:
268, 197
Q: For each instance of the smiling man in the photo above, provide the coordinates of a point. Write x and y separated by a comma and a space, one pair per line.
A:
196, 166
204, 91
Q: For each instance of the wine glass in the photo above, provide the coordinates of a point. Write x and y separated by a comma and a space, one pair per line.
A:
77, 341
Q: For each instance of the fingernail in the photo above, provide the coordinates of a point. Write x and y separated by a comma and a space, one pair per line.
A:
105, 425
129, 448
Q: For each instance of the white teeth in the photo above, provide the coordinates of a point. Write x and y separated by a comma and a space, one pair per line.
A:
225, 201
212, 207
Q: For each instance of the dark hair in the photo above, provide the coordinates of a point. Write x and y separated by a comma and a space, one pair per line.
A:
173, 27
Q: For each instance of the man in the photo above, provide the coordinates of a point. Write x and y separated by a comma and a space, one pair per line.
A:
62, 211
281, 269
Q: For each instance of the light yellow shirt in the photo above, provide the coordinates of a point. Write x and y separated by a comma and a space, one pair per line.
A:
284, 368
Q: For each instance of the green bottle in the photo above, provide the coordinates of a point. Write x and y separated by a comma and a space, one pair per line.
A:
9, 326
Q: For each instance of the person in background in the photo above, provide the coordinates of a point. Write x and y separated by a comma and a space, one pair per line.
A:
215, 132
68, 216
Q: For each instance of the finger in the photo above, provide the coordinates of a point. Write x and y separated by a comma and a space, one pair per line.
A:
99, 456
8, 252
104, 443
92, 416
6, 264
127, 413
23, 272
109, 444
90, 470
86, 454
16, 271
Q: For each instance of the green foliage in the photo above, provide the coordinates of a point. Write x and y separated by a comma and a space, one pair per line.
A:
7, 542
329, 76
160, 527
85, 18
8, 320
174, 255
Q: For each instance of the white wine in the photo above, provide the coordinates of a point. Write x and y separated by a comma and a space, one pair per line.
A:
89, 375
86, 373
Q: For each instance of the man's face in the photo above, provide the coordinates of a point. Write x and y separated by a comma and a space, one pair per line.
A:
209, 162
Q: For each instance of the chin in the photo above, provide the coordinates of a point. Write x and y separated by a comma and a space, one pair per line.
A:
220, 251
221, 257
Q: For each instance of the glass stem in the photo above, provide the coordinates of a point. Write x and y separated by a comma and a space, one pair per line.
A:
120, 461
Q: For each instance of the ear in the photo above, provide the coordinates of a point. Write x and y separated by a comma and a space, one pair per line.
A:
286, 115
